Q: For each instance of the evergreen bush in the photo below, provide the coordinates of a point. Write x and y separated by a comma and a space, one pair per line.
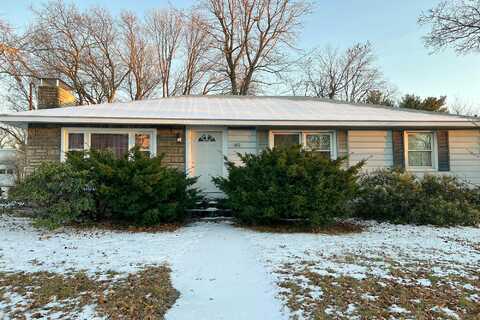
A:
288, 184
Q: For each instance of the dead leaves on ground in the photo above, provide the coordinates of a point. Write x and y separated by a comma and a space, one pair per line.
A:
339, 228
405, 294
147, 294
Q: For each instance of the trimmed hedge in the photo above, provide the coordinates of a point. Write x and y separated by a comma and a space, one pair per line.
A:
288, 184
400, 197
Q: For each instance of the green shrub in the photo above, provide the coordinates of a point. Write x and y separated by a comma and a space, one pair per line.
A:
57, 191
136, 188
284, 184
98, 186
400, 197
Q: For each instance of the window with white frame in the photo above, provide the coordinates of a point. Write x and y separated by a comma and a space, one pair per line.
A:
143, 142
420, 151
76, 141
321, 142
119, 141
286, 139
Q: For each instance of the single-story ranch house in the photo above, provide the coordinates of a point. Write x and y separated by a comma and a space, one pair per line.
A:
196, 132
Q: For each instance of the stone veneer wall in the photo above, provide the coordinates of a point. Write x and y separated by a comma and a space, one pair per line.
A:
43, 144
44, 141
167, 144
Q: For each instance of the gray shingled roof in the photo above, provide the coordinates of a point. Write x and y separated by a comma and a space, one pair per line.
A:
232, 110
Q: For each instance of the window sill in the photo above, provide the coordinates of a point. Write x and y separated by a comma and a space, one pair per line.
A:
421, 169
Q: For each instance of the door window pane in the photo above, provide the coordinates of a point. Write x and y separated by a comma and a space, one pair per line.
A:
286, 140
75, 141
206, 138
117, 143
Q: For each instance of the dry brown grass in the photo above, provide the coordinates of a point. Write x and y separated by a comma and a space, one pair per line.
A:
373, 297
338, 228
147, 294
90, 226
112, 226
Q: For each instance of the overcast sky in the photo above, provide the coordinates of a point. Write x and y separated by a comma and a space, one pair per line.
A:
391, 26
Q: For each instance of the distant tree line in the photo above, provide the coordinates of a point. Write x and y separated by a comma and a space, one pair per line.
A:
409, 101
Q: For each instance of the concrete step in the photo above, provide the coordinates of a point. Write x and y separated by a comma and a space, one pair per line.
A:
209, 212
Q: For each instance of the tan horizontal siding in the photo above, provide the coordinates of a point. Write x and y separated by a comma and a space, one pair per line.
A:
243, 145
241, 141
373, 146
465, 154
262, 140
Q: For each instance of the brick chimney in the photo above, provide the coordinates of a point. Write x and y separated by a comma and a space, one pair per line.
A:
54, 93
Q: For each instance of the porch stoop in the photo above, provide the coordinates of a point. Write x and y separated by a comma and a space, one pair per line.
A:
210, 209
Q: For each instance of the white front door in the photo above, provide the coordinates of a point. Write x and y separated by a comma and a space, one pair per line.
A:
207, 158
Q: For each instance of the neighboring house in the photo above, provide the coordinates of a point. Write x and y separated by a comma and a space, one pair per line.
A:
8, 167
196, 132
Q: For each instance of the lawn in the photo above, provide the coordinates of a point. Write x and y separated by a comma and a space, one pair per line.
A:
387, 271
209, 270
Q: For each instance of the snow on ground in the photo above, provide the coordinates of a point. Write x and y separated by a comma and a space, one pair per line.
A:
225, 272
222, 279
213, 265
373, 254
450, 250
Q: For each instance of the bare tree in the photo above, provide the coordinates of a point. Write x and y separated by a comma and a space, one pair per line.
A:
349, 76
453, 23
463, 108
81, 48
165, 28
101, 62
197, 71
249, 36
16, 76
139, 55
58, 42
226, 46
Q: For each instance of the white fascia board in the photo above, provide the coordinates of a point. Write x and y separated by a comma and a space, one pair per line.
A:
233, 122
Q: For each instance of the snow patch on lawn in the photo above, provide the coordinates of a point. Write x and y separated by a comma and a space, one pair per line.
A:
371, 253
396, 309
447, 311
23, 248
381, 248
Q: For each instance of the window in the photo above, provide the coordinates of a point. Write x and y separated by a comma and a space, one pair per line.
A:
2, 171
420, 150
118, 140
282, 140
142, 141
320, 143
117, 143
10, 171
317, 141
75, 141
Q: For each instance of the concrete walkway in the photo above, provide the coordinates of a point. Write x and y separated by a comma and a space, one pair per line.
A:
221, 277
